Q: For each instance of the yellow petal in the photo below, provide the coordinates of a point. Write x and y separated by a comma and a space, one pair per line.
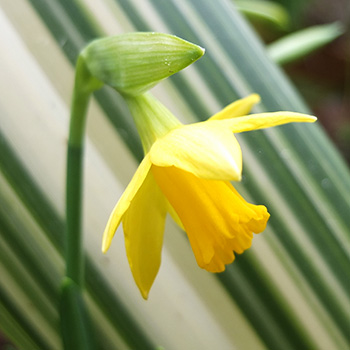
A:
217, 220
175, 217
203, 149
143, 225
237, 108
124, 202
264, 120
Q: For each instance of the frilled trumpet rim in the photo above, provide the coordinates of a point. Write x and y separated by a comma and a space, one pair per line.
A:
217, 220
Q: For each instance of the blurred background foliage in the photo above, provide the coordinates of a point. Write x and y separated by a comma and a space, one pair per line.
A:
266, 317
322, 76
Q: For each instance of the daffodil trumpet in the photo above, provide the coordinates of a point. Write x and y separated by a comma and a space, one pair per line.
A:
187, 172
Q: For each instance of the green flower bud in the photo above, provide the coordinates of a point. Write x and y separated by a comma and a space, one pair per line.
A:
133, 63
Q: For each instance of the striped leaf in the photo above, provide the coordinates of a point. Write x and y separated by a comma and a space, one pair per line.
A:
289, 291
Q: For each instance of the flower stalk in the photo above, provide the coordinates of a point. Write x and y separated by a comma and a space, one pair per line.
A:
74, 319
131, 64
151, 118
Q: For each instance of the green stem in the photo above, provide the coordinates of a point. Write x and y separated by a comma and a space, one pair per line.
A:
76, 328
85, 84
74, 250
152, 119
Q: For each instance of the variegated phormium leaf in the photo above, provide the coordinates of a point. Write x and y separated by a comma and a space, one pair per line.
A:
289, 291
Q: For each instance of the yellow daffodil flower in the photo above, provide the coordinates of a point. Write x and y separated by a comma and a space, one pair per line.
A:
186, 172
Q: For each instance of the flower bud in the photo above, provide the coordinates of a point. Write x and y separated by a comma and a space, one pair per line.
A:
133, 63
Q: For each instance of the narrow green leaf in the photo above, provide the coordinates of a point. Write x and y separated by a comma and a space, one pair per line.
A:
77, 332
267, 11
13, 265
303, 42
16, 327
